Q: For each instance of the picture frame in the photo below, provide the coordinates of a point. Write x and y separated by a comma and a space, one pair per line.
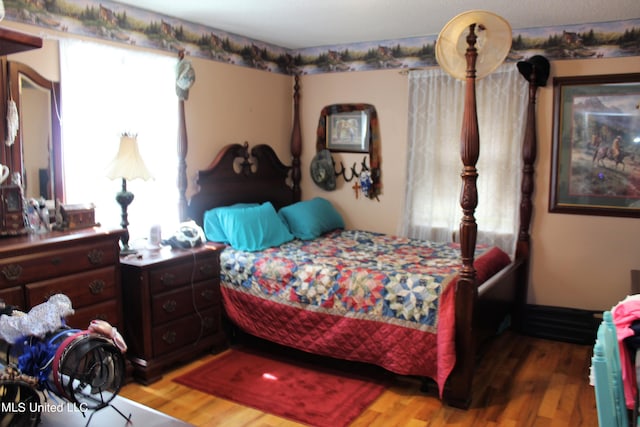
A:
348, 131
595, 167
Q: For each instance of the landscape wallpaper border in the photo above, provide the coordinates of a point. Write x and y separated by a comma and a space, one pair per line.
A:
125, 24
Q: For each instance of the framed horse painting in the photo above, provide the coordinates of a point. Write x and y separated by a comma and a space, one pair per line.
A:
595, 166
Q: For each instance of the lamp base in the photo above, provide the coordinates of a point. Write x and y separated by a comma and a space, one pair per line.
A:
124, 199
128, 251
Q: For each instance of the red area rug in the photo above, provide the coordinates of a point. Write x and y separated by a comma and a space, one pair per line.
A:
300, 392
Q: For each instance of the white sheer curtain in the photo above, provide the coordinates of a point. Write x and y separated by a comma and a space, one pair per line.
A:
107, 91
432, 203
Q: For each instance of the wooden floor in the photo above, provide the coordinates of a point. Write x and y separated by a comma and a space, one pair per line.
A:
525, 382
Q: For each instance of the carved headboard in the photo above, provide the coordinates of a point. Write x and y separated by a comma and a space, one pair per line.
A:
240, 174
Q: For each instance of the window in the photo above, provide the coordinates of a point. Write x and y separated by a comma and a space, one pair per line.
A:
107, 91
432, 206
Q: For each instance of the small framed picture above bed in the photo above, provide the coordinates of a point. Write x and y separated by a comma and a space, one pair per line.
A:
348, 131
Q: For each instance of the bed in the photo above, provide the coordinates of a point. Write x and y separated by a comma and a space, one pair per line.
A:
477, 290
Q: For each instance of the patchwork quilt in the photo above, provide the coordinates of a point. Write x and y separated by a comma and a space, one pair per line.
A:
355, 295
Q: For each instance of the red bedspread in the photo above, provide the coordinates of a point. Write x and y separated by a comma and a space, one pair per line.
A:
355, 295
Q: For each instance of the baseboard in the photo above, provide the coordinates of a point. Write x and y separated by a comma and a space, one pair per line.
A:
635, 282
561, 323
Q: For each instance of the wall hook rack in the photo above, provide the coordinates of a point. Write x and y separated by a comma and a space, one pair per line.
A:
354, 171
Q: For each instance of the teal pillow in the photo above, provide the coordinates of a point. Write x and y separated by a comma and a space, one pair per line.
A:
212, 228
253, 228
309, 219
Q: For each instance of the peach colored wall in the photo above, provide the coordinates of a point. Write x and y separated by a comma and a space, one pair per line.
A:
577, 261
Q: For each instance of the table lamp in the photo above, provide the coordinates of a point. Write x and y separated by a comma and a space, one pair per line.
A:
127, 165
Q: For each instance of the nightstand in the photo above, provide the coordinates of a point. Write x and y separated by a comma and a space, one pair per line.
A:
172, 308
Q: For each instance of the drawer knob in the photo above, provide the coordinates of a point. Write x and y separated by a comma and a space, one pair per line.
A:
207, 294
96, 287
167, 279
169, 306
56, 260
169, 337
12, 272
95, 256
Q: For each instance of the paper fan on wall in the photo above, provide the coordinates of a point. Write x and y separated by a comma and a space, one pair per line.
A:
493, 43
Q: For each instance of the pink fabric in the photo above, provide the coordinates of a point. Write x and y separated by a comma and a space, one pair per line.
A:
624, 314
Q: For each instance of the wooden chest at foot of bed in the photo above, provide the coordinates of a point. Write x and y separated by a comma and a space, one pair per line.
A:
172, 308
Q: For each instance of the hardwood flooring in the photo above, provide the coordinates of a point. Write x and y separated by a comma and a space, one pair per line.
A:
522, 381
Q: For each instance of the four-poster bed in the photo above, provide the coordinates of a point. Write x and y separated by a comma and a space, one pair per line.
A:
240, 174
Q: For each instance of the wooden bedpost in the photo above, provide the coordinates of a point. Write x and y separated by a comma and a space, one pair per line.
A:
296, 141
459, 393
182, 156
529, 150
469, 152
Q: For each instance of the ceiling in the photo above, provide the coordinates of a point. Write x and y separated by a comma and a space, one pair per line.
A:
299, 24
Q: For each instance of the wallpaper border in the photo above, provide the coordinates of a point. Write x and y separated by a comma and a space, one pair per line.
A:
109, 20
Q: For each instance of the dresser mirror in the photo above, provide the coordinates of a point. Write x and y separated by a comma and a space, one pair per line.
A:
37, 147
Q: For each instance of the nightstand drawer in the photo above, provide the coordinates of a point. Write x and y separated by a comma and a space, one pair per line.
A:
83, 289
58, 262
174, 304
178, 335
164, 279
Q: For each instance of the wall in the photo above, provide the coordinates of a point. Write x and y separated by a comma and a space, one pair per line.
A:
577, 261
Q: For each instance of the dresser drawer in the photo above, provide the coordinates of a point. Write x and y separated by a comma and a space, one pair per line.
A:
83, 289
167, 278
181, 333
13, 296
43, 265
174, 304
107, 311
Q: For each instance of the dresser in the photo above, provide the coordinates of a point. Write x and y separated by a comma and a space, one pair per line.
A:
172, 308
82, 264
